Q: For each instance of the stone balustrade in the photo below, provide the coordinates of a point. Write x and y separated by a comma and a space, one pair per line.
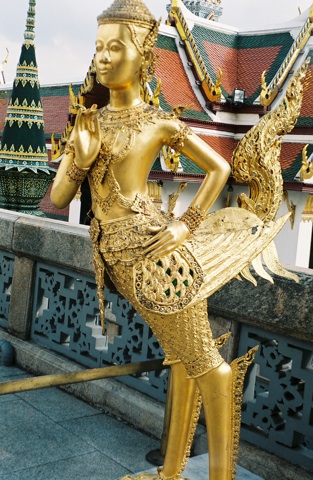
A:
48, 298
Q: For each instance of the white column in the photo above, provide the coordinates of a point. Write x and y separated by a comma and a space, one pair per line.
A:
74, 210
304, 244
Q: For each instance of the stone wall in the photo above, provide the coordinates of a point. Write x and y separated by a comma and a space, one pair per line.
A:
286, 307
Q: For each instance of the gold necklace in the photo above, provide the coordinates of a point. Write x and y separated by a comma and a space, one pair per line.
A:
118, 125
130, 118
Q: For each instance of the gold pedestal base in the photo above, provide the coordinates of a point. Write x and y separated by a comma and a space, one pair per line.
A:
151, 476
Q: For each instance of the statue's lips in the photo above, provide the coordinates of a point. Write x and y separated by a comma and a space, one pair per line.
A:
105, 70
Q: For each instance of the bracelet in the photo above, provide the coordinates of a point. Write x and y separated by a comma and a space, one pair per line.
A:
76, 174
193, 217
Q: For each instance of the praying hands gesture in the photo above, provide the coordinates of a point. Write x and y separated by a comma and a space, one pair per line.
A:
86, 137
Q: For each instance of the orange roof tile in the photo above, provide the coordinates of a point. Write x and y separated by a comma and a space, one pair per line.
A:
225, 58
289, 153
223, 145
252, 62
307, 105
176, 88
241, 68
3, 111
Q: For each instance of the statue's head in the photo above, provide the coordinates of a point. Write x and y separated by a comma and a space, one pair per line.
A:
142, 26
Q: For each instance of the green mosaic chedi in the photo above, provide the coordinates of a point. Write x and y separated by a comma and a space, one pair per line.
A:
210, 9
24, 170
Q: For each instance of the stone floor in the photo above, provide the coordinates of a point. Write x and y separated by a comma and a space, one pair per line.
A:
51, 435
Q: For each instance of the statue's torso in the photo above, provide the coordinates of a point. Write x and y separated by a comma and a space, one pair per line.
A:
130, 144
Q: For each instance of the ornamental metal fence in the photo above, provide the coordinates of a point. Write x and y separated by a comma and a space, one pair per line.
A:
278, 401
6, 278
66, 320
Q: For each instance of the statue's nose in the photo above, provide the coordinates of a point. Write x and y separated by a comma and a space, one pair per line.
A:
106, 56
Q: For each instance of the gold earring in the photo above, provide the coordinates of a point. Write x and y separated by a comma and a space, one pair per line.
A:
147, 70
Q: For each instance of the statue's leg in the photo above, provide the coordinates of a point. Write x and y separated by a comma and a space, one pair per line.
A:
187, 336
185, 411
215, 387
221, 390
219, 384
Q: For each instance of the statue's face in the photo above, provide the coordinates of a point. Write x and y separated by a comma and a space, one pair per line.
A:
117, 59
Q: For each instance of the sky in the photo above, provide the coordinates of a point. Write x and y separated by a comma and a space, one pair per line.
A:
65, 30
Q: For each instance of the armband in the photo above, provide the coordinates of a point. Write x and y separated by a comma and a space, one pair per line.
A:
177, 140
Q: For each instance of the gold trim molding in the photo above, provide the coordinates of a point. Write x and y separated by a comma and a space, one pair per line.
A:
307, 214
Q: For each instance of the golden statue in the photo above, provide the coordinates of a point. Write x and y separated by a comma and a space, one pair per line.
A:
166, 267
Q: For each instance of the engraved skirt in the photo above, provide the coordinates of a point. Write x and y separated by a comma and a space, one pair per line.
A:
170, 293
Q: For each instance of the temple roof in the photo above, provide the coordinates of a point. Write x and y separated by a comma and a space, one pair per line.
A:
171, 71
242, 58
191, 53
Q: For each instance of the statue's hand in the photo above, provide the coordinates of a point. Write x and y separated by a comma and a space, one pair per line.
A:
87, 138
165, 240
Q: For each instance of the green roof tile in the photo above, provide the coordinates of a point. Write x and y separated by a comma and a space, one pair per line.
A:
58, 90
305, 122
188, 166
166, 43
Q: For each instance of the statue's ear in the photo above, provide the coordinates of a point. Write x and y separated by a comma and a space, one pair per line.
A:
148, 58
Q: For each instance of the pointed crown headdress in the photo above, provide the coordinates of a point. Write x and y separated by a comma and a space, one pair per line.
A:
133, 13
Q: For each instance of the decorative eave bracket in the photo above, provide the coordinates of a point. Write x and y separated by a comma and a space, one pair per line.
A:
306, 170
212, 91
270, 92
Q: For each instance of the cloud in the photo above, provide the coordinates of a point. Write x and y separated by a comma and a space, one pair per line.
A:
65, 30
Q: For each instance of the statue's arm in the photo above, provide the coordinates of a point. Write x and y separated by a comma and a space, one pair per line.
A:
217, 172
64, 189
216, 167
85, 143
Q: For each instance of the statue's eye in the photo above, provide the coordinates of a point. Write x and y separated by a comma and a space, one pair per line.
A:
115, 47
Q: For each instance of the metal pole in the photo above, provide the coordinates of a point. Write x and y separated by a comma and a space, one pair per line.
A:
47, 381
